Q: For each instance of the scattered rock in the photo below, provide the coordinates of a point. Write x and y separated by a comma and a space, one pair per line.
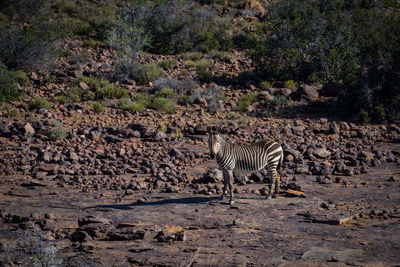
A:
322, 153
171, 233
213, 176
29, 129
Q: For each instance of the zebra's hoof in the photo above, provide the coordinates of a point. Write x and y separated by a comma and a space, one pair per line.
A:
274, 196
231, 202
268, 197
222, 197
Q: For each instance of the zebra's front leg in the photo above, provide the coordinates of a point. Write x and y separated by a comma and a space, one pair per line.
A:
225, 188
230, 175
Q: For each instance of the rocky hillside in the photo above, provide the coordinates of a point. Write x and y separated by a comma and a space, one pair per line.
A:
104, 155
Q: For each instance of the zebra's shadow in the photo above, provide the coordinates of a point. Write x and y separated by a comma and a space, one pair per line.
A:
184, 200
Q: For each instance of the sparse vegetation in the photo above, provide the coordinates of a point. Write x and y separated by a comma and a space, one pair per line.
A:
290, 84
167, 63
164, 104
246, 100
39, 103
99, 89
57, 131
8, 85
98, 107
141, 73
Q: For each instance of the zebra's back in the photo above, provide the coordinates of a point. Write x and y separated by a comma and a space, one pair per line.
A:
255, 157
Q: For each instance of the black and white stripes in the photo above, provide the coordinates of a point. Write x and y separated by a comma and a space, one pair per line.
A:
247, 158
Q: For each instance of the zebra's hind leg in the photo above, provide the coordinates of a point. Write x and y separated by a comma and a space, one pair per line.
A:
273, 174
277, 184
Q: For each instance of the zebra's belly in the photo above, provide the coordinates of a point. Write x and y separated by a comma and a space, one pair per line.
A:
247, 170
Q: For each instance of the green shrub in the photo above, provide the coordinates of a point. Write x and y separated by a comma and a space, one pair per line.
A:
290, 84
278, 101
38, 103
142, 98
74, 27
246, 100
100, 89
92, 42
8, 85
166, 93
67, 6
193, 56
167, 63
221, 56
98, 107
57, 131
356, 43
141, 73
204, 74
127, 104
267, 84
21, 78
111, 91
12, 113
164, 104
62, 99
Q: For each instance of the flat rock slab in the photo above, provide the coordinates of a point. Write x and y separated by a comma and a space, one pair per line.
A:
332, 217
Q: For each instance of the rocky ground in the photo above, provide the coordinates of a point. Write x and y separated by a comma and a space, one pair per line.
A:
140, 189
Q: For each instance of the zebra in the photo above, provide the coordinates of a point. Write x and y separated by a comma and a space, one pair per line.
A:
250, 158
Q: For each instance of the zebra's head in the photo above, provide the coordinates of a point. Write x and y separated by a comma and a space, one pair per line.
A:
214, 143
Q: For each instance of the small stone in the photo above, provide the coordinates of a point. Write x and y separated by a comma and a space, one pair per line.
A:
213, 176
29, 129
73, 156
84, 86
322, 153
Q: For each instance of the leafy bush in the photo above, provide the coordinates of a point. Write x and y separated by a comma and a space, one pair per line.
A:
169, 27
128, 105
98, 107
101, 87
74, 27
164, 104
11, 113
8, 84
26, 47
290, 84
57, 131
111, 91
39, 103
179, 86
221, 55
193, 56
141, 73
92, 42
167, 63
278, 101
246, 100
356, 43
267, 84
21, 78
166, 93
67, 6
